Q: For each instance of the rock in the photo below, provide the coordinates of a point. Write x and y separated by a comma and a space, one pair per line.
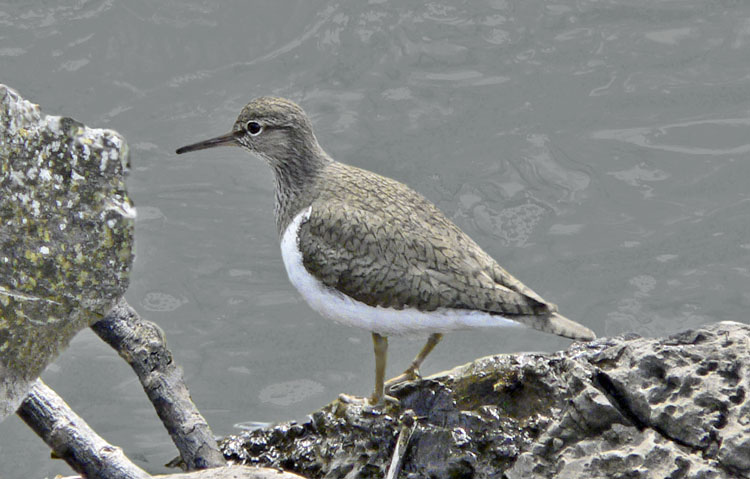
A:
66, 236
615, 407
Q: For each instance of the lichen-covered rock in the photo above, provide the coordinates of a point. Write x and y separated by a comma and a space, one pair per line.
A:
66, 236
625, 407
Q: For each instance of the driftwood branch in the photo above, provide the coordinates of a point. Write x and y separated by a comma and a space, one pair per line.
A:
72, 439
94, 458
234, 472
143, 345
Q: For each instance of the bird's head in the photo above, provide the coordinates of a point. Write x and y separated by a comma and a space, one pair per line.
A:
275, 129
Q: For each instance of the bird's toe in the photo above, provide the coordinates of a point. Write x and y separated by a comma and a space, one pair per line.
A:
406, 376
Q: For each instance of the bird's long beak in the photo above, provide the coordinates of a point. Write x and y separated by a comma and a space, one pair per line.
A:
224, 140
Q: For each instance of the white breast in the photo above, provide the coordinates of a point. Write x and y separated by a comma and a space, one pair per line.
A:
335, 305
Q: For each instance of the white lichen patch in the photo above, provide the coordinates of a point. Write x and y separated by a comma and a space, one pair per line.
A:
35, 207
17, 177
45, 174
104, 161
124, 207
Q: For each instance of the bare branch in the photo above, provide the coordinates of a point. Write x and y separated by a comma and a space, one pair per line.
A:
143, 345
234, 472
72, 439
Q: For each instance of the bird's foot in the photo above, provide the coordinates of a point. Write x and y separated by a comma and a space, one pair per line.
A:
349, 399
411, 374
371, 403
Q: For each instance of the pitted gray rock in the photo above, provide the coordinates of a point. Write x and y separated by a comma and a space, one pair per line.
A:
615, 407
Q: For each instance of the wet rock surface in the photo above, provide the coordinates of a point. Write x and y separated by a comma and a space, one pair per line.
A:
630, 407
66, 236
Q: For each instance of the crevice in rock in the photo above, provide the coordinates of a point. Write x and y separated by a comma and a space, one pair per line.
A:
619, 400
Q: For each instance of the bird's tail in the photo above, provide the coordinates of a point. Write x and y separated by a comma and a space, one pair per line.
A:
556, 323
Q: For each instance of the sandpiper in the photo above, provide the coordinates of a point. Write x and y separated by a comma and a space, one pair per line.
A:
368, 251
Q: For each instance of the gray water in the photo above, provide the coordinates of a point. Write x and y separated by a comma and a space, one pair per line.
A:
598, 149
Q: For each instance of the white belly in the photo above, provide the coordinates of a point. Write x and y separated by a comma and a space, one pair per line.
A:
335, 305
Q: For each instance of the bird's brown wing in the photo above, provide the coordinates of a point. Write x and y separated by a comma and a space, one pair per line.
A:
407, 264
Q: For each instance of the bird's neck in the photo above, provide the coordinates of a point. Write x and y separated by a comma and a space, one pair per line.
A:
294, 178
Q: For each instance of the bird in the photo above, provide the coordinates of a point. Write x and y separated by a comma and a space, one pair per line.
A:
368, 251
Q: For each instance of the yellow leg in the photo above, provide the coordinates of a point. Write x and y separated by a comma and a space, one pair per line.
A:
380, 345
412, 372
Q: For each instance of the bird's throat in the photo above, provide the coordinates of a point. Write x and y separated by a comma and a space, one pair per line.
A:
294, 179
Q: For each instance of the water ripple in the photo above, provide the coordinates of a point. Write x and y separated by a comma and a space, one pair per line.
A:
655, 137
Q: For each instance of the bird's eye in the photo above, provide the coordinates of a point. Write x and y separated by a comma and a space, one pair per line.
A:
254, 128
